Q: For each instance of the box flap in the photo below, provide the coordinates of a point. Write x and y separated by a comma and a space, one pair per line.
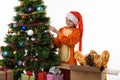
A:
64, 66
84, 68
111, 71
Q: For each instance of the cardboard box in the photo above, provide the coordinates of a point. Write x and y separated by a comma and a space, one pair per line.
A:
9, 75
86, 73
65, 71
78, 72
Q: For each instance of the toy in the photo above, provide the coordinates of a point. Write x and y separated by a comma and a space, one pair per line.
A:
93, 59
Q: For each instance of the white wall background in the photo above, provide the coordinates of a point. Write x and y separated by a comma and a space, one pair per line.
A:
100, 18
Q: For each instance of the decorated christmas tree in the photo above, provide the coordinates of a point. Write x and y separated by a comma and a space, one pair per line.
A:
29, 45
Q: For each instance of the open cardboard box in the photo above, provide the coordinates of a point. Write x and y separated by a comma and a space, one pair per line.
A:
78, 72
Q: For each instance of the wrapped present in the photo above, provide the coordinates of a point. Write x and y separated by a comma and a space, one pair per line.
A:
41, 76
54, 70
6, 74
54, 77
27, 76
54, 74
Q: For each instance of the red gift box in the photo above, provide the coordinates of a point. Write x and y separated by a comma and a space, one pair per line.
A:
41, 76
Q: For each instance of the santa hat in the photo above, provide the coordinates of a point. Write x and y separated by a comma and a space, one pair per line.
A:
76, 18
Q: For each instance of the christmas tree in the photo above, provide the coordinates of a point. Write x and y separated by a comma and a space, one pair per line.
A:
29, 45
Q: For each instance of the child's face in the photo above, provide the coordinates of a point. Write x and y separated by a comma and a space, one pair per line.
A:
69, 23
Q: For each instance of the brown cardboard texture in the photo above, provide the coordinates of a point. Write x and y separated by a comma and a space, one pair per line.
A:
78, 72
85, 73
9, 76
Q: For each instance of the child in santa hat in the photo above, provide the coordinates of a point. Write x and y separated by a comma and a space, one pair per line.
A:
68, 36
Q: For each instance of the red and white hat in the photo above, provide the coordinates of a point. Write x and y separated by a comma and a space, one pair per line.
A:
76, 18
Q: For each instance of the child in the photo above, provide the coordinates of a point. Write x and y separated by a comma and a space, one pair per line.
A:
68, 36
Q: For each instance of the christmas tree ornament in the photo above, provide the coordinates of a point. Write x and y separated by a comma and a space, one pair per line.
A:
24, 63
23, 16
24, 28
14, 52
10, 31
30, 32
39, 8
27, 38
14, 25
36, 54
30, 9
18, 33
33, 39
21, 44
26, 50
31, 20
5, 54
19, 63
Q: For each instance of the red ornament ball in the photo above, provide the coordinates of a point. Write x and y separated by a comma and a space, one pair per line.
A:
23, 16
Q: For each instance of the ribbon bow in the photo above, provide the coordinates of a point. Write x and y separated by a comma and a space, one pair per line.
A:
4, 69
29, 74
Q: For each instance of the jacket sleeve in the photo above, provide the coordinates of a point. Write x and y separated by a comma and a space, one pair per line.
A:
71, 39
57, 43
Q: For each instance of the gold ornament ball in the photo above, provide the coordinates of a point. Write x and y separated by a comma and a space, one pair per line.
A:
18, 33
14, 52
31, 20
10, 31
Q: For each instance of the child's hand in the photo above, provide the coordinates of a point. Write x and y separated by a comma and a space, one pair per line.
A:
48, 31
53, 29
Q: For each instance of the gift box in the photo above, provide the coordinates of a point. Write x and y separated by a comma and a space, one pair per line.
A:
41, 76
54, 74
26, 77
54, 77
78, 72
6, 74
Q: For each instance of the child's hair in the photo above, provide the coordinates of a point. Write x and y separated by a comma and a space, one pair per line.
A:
75, 26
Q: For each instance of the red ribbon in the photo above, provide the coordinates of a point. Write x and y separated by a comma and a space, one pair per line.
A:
29, 74
5, 70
